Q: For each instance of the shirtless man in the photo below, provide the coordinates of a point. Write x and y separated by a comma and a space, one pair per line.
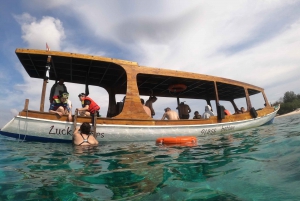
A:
170, 115
147, 109
149, 103
184, 111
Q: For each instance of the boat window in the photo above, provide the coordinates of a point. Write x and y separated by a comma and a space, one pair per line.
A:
257, 100
240, 102
228, 106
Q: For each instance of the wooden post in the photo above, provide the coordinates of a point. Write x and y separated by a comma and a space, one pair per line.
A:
74, 123
248, 99
95, 125
43, 95
26, 105
217, 95
75, 119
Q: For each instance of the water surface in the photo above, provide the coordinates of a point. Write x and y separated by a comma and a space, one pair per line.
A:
255, 164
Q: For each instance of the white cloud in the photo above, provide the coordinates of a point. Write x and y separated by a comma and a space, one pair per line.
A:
39, 32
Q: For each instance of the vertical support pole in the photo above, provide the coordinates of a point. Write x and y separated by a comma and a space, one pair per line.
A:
178, 102
217, 95
26, 105
43, 96
75, 119
45, 84
248, 99
75, 123
265, 98
95, 125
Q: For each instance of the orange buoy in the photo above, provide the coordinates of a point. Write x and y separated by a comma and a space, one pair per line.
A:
177, 140
177, 87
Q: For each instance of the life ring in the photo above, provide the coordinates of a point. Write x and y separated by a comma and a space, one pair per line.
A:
177, 87
180, 140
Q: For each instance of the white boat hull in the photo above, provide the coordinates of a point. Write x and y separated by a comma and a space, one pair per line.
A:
35, 129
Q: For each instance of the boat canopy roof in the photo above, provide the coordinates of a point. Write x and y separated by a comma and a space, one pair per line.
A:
110, 73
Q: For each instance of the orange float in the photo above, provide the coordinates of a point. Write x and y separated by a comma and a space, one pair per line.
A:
177, 87
180, 140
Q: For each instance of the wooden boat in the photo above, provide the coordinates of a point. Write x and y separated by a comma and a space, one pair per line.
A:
130, 122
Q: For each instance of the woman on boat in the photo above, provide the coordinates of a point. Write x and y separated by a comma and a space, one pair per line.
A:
82, 135
207, 113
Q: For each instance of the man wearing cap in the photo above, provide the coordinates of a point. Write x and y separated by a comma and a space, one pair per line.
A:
60, 106
170, 114
89, 107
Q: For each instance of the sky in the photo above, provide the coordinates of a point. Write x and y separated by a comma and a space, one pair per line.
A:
255, 41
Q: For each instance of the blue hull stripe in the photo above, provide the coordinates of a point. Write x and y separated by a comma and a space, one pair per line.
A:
33, 138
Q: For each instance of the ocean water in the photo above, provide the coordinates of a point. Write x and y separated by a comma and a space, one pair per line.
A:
255, 164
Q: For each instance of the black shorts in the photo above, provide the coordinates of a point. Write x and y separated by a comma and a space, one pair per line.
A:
185, 116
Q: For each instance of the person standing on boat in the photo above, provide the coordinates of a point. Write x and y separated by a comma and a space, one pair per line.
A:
207, 113
89, 107
149, 103
147, 109
170, 114
56, 89
184, 110
82, 135
60, 106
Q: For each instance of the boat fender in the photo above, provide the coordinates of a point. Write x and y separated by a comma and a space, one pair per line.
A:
177, 87
220, 111
177, 140
253, 112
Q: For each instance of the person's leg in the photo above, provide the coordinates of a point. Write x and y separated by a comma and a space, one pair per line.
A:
61, 109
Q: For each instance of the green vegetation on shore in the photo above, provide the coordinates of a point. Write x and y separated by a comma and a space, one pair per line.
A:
288, 103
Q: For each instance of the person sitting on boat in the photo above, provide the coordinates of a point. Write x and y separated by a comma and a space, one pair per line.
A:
184, 110
147, 109
197, 115
243, 110
170, 114
56, 89
149, 103
207, 113
83, 136
60, 106
89, 107
226, 112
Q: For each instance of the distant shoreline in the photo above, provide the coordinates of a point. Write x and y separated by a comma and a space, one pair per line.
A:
297, 111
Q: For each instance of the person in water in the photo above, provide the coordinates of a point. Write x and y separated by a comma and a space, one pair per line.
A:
83, 136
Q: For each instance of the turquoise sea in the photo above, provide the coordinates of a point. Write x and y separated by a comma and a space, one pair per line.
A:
255, 164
